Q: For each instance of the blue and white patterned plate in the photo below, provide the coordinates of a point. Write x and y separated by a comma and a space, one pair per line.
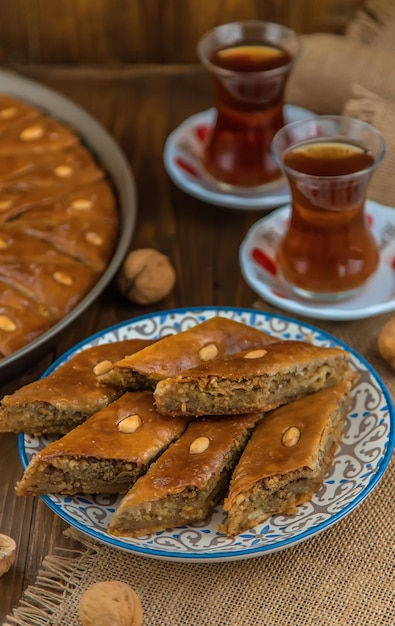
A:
358, 466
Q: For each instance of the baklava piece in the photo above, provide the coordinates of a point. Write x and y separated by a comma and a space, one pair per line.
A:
253, 381
56, 283
15, 111
187, 481
42, 133
203, 343
68, 396
82, 224
60, 170
286, 459
105, 454
21, 320
49, 177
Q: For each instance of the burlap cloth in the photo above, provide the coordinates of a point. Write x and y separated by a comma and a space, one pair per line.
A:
344, 576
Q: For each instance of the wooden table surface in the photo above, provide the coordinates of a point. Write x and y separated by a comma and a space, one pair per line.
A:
139, 108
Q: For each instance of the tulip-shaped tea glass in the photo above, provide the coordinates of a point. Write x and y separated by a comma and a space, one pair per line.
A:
249, 63
328, 251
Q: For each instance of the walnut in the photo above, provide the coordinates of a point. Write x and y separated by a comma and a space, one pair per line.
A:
146, 276
386, 342
110, 602
7, 553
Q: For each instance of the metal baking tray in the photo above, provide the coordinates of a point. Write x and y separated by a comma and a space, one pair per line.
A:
113, 160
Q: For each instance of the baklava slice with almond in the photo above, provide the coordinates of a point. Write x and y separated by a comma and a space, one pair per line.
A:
69, 395
172, 354
105, 454
287, 458
254, 380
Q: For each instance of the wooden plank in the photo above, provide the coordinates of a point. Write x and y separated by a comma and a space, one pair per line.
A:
109, 33
99, 31
184, 22
16, 32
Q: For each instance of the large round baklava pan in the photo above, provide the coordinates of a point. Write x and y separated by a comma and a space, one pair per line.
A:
67, 214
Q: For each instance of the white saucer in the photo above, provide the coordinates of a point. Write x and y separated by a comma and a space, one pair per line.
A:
183, 162
257, 262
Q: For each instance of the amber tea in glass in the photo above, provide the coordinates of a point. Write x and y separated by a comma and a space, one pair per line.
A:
249, 63
328, 250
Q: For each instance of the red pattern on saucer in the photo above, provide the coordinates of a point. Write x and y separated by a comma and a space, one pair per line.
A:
201, 131
187, 167
264, 260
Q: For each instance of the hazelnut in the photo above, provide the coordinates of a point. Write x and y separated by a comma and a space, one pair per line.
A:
386, 342
146, 276
7, 553
110, 602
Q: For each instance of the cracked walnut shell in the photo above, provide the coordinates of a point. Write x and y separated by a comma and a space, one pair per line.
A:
7, 553
146, 276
